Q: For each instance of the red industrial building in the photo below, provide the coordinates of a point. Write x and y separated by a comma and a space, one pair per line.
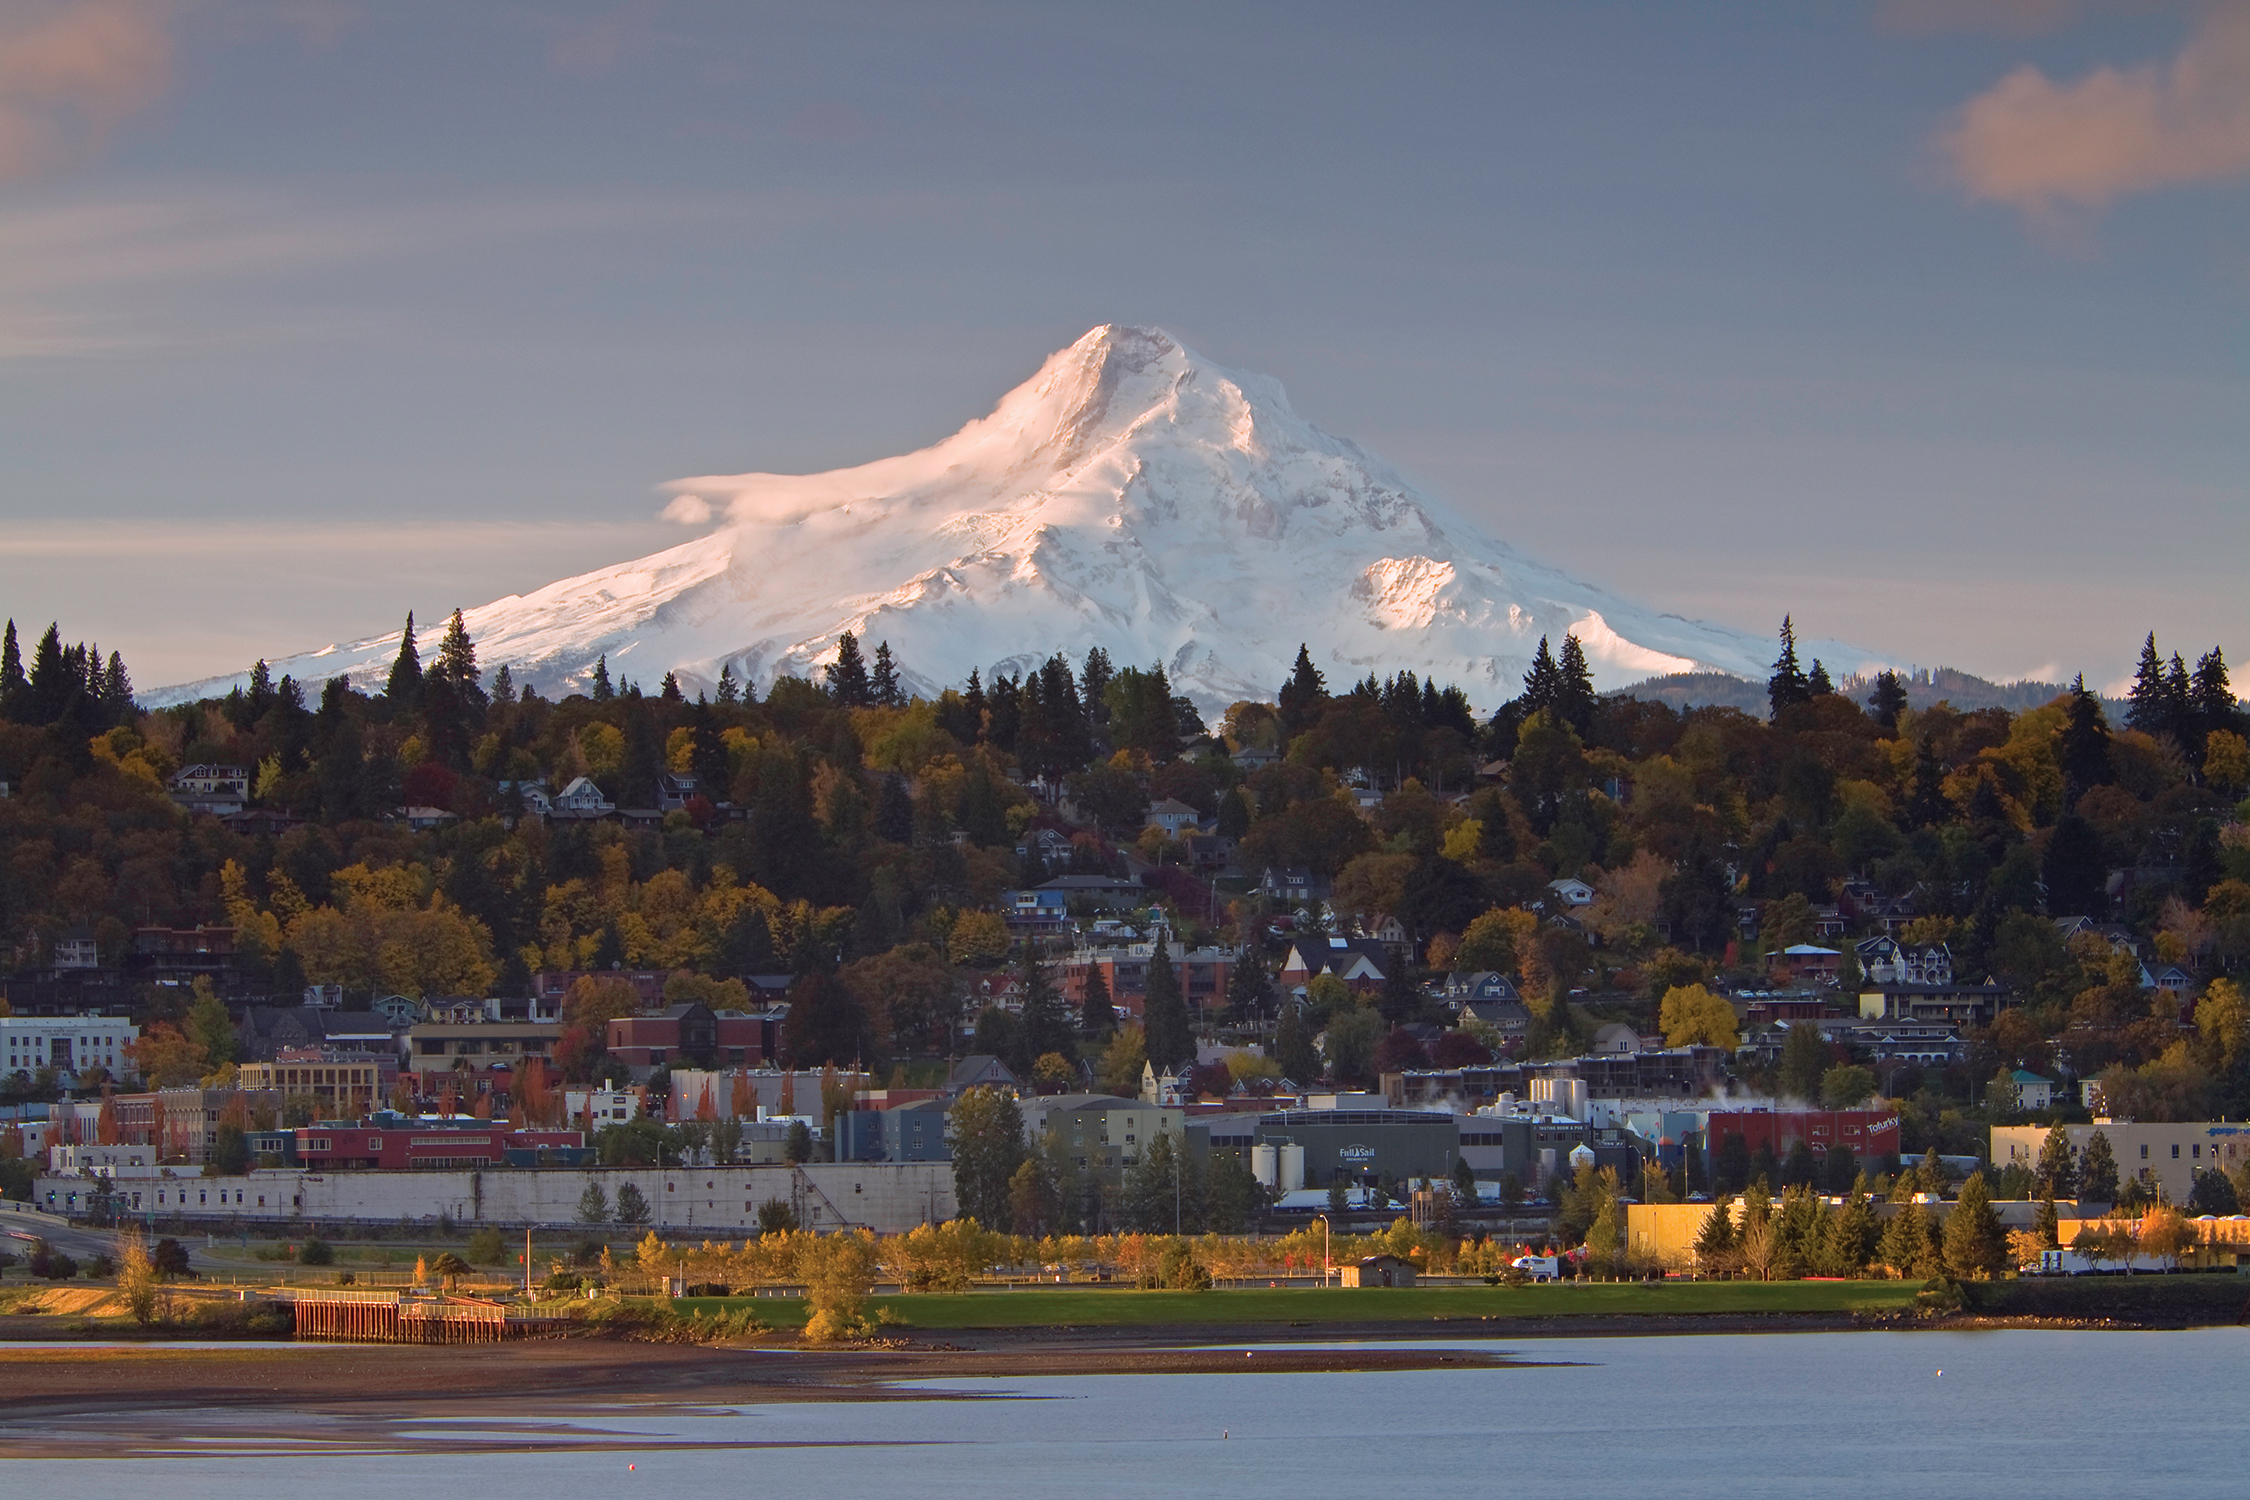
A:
400, 1145
1867, 1132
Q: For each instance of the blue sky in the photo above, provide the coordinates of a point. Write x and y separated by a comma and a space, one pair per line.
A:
1923, 320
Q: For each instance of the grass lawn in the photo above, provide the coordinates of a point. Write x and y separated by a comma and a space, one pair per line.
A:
1119, 1307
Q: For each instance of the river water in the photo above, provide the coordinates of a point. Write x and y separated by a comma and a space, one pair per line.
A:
1863, 1414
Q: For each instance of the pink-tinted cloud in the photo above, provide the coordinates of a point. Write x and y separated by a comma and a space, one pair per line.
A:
2041, 145
73, 70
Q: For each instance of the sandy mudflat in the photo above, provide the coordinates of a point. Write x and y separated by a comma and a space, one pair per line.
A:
164, 1399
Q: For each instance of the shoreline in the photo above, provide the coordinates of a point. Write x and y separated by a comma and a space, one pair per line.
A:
53, 1373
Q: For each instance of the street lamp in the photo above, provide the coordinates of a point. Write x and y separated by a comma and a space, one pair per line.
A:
1325, 1268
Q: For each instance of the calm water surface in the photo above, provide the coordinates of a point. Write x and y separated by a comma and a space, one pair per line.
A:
1867, 1414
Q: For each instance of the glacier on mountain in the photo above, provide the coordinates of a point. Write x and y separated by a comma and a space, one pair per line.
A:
1130, 495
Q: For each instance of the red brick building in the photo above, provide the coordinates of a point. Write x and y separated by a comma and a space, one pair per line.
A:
1202, 974
694, 1035
412, 1145
1868, 1132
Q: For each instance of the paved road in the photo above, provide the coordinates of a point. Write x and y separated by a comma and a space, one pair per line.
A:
26, 1224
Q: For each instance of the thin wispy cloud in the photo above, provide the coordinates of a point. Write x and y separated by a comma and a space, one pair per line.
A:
2045, 146
71, 72
132, 271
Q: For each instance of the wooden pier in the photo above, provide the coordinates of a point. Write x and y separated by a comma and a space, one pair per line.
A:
351, 1317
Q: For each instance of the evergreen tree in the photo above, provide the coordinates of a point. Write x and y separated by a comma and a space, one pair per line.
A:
1905, 1246
1574, 686
2148, 707
707, 752
603, 691
1926, 806
50, 686
1303, 696
1976, 1248
1542, 685
668, 690
1249, 989
1046, 1025
1888, 700
1293, 1049
1093, 687
2075, 870
15, 688
117, 691
457, 664
973, 707
1715, 1241
404, 689
730, 691
883, 684
2057, 1172
2097, 1170
2083, 751
1164, 1016
2211, 706
847, 675
1788, 686
894, 812
1098, 1012
1818, 683
1851, 1235
1234, 813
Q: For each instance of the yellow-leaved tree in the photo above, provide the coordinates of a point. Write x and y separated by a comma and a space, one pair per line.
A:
1692, 1016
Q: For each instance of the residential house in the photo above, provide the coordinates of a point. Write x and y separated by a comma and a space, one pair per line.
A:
674, 791
215, 789
1888, 960
1251, 759
1173, 816
1361, 963
423, 819
1051, 845
1294, 888
530, 796
2033, 1092
1617, 1037
581, 799
1808, 962
1572, 892
980, 1070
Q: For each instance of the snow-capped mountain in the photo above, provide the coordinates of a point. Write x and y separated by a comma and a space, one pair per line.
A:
1130, 495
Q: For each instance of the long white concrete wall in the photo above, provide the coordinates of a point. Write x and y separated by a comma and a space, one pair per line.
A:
888, 1197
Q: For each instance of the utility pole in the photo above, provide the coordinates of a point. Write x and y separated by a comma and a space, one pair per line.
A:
527, 1262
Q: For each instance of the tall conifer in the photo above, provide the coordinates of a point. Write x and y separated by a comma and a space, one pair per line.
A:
405, 685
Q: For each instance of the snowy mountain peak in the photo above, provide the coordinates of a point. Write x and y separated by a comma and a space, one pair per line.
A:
1131, 495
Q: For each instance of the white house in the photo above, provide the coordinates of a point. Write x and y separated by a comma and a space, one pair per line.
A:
583, 799
1571, 891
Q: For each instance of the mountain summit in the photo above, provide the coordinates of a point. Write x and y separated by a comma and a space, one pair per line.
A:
1130, 495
